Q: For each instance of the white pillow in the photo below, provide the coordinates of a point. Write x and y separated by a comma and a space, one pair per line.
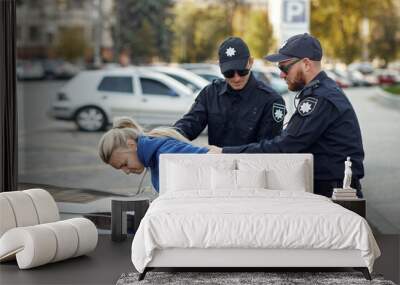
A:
251, 178
189, 176
282, 174
225, 179
291, 179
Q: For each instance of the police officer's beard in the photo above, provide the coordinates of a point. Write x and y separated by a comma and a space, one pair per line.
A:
297, 83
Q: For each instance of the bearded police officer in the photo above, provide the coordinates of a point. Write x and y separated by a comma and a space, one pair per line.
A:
238, 110
324, 122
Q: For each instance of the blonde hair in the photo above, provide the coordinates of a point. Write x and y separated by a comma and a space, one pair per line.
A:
125, 128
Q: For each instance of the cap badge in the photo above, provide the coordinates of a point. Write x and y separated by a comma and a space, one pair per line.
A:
230, 51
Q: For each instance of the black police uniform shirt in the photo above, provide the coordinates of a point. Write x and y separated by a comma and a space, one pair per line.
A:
234, 117
323, 124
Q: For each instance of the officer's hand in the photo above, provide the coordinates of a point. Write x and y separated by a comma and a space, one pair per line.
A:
214, 149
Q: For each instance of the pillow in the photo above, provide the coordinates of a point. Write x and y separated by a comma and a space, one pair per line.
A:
189, 176
283, 174
251, 178
223, 179
292, 179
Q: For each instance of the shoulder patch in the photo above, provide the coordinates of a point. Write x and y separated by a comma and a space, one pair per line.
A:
278, 112
307, 106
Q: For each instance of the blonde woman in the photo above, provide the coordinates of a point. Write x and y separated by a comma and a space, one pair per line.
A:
128, 148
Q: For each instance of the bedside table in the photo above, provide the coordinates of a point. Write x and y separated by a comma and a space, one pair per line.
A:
358, 206
119, 216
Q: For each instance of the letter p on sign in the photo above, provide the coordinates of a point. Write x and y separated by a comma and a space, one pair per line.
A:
294, 11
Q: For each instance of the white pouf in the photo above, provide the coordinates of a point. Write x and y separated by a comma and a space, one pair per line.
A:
31, 233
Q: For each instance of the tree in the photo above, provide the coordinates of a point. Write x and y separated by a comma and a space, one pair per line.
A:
197, 32
337, 25
385, 32
231, 7
258, 33
199, 29
71, 43
143, 27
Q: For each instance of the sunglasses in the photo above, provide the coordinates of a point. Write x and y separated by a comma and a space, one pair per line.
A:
285, 68
231, 73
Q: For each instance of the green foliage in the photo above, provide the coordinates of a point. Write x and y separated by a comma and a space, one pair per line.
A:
71, 43
142, 43
197, 32
144, 28
337, 23
385, 32
231, 8
258, 33
393, 89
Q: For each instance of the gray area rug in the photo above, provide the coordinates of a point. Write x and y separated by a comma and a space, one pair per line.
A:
243, 278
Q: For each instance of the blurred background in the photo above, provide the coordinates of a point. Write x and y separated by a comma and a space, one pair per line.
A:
82, 62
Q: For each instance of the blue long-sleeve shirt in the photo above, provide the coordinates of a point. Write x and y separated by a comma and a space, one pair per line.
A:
150, 148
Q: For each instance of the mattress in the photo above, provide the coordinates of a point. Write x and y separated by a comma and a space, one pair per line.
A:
250, 219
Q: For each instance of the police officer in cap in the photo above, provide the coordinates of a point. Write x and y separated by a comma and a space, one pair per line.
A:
324, 122
238, 110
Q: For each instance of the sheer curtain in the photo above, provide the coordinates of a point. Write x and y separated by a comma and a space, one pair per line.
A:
8, 98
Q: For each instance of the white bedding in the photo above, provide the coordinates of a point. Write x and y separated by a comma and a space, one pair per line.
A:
251, 218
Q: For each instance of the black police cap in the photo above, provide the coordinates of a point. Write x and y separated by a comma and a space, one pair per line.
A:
233, 54
300, 46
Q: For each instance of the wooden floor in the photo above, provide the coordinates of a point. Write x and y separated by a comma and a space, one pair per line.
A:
111, 259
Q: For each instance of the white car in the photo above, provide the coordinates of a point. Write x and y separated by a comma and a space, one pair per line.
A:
188, 78
93, 98
29, 70
208, 74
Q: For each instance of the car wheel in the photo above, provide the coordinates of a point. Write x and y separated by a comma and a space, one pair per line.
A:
90, 119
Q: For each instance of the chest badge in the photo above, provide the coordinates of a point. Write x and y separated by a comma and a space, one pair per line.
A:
230, 51
307, 106
278, 112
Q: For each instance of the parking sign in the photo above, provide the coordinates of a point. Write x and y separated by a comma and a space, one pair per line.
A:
294, 11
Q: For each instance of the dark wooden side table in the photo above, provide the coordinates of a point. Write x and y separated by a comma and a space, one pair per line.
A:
356, 205
119, 219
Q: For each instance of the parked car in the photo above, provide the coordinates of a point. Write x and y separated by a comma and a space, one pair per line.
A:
212, 71
343, 77
93, 98
271, 77
363, 67
187, 78
387, 76
358, 79
59, 69
208, 74
342, 82
29, 70
194, 66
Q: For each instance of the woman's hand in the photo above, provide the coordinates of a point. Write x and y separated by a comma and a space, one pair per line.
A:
214, 149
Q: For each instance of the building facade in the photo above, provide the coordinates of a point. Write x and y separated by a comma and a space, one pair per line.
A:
41, 25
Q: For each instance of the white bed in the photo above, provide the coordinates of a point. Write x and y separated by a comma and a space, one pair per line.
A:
247, 210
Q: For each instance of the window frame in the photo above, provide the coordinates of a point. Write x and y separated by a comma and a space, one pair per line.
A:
128, 93
176, 94
8, 98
